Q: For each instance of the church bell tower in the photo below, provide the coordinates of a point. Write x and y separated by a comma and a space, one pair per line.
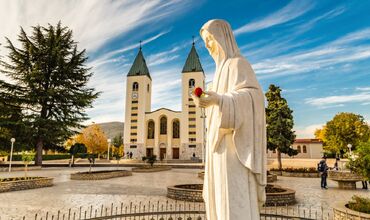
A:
138, 101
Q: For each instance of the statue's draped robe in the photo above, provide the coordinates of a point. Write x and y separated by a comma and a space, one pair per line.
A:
235, 169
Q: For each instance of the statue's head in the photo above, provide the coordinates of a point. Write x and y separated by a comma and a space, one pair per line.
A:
219, 39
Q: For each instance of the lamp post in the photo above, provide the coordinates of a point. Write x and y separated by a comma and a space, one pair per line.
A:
11, 154
109, 141
350, 149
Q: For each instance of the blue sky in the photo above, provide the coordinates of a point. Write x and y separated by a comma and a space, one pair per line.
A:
318, 52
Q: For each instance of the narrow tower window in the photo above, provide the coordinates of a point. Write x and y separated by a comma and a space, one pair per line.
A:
135, 86
163, 128
148, 87
176, 129
151, 130
191, 83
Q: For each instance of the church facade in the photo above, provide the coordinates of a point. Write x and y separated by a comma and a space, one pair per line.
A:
168, 134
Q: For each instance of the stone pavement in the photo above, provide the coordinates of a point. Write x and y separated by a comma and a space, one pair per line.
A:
140, 187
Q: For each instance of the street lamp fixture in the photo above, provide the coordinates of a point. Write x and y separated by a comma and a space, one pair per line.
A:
12, 140
109, 141
350, 149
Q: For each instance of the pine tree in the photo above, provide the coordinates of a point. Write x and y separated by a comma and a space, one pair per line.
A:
279, 119
51, 73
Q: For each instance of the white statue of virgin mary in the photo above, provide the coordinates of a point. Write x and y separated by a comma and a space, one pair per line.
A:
235, 169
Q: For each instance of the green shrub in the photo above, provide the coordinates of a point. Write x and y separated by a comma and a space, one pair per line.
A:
18, 157
297, 170
360, 204
151, 159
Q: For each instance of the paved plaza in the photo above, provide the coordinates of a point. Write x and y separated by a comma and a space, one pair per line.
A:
140, 187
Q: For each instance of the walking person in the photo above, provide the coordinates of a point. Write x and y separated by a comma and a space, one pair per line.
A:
364, 184
322, 167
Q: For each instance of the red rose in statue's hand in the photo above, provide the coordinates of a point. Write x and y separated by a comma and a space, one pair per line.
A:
198, 92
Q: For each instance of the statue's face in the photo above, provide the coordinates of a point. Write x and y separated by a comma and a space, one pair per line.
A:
210, 42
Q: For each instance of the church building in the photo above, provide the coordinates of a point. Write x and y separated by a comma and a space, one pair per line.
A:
163, 132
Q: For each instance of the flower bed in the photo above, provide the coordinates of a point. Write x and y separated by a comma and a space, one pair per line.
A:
150, 169
22, 183
357, 209
345, 179
100, 175
279, 196
297, 172
186, 192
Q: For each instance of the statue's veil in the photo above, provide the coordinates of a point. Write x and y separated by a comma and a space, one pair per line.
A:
222, 32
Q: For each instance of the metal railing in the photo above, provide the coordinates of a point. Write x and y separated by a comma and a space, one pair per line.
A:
169, 211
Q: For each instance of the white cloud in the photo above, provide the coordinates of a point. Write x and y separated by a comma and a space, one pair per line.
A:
290, 12
308, 131
339, 100
94, 22
340, 51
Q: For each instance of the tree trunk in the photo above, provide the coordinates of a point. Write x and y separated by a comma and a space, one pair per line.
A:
280, 165
39, 147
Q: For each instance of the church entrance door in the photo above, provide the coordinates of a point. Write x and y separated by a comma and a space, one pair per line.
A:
149, 152
162, 153
175, 153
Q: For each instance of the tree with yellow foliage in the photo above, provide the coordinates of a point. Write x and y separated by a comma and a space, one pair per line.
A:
93, 138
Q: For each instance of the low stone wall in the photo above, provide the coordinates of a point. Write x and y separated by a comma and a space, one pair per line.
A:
341, 212
271, 178
100, 175
186, 192
25, 184
19, 168
345, 179
282, 197
148, 169
296, 174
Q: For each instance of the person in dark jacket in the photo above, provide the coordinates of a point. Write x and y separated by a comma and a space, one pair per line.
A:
323, 169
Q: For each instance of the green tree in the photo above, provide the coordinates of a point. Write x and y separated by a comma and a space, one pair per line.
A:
27, 158
51, 73
118, 140
360, 163
279, 120
345, 128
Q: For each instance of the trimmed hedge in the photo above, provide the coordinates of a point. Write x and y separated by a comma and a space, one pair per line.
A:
49, 157
297, 170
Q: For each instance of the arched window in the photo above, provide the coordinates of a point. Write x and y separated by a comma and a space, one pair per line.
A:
163, 128
176, 129
135, 86
151, 128
299, 148
191, 83
304, 149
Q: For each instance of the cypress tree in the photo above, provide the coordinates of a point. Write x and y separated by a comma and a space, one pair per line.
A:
279, 119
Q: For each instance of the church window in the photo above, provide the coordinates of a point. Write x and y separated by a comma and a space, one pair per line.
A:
299, 148
151, 129
191, 83
176, 129
163, 127
304, 149
135, 86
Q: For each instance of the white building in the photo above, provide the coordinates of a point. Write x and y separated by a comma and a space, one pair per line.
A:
163, 132
307, 148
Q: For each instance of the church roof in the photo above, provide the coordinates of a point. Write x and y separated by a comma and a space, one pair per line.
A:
139, 67
192, 63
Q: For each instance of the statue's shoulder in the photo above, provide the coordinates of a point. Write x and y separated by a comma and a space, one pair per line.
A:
239, 61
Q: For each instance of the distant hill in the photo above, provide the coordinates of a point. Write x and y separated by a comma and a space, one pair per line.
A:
112, 129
